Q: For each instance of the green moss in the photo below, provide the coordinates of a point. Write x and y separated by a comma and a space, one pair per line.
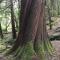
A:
25, 52
43, 48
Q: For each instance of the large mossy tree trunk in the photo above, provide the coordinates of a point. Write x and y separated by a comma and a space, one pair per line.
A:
32, 38
42, 45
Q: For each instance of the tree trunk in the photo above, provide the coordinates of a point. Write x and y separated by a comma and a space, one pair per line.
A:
12, 21
49, 17
1, 34
32, 38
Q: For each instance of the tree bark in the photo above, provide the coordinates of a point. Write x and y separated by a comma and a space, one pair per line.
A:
12, 21
1, 34
49, 17
32, 38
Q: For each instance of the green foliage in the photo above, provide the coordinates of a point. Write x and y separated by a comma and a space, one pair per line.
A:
5, 14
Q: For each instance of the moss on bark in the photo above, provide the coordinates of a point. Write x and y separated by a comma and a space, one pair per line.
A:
25, 52
43, 48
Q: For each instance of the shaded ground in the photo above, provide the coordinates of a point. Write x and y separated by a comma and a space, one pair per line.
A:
2, 57
55, 31
56, 45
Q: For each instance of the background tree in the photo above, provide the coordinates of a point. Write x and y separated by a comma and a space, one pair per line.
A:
12, 20
1, 33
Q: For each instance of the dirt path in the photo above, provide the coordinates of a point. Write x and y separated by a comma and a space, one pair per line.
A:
2, 57
56, 45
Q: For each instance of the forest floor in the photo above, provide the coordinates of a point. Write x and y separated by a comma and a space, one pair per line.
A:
56, 32
55, 27
55, 43
2, 57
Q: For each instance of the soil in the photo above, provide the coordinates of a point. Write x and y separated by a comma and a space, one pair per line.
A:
56, 56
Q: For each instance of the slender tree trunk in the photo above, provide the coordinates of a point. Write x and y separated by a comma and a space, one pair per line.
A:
58, 10
12, 21
52, 7
1, 34
50, 21
6, 23
16, 22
